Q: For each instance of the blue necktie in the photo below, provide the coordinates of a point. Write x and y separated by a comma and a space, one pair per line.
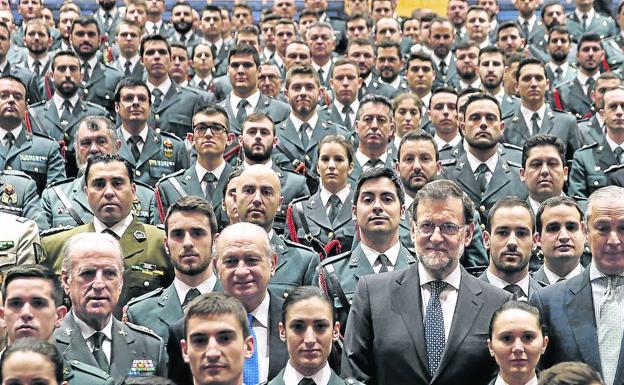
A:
251, 368
434, 327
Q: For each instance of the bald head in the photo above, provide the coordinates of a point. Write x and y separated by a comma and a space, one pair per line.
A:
258, 196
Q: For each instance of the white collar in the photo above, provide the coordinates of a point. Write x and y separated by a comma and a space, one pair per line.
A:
142, 134
500, 381
355, 105
298, 122
342, 194
118, 228
362, 159
59, 100
87, 331
16, 132
496, 281
582, 78
612, 143
564, 67
395, 83
371, 254
163, 87
201, 171
590, 15
251, 99
441, 142
182, 288
268, 164
453, 279
474, 162
292, 376
553, 277
531, 20
528, 114
133, 61
92, 63
31, 61
325, 67
261, 313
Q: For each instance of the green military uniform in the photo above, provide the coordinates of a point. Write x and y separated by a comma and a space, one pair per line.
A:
147, 265
183, 183
71, 191
35, 154
588, 166
505, 181
162, 154
334, 379
29, 79
508, 151
176, 110
77, 373
293, 186
19, 242
100, 88
590, 130
18, 196
348, 268
600, 24
297, 265
135, 350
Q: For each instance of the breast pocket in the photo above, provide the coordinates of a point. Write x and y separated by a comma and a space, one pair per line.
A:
160, 168
596, 181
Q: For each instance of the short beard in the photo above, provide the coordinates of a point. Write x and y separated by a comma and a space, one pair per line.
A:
257, 158
182, 28
197, 269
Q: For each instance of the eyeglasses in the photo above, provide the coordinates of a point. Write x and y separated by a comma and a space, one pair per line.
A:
200, 129
448, 228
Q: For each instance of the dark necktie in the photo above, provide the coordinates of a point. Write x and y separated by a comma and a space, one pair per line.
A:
590, 86
434, 327
347, 121
127, 66
303, 134
585, 22
9, 139
157, 94
111, 233
190, 295
525, 29
98, 353
385, 262
202, 85
134, 141
37, 67
85, 72
334, 208
251, 374
306, 381
241, 114
515, 290
182, 38
619, 154
372, 163
321, 75
154, 29
558, 73
535, 128
66, 114
480, 175
560, 279
443, 68
107, 19
210, 178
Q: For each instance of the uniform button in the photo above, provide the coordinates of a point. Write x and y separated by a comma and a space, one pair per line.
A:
137, 173
146, 283
107, 97
482, 208
9, 168
86, 91
36, 169
157, 117
595, 183
330, 235
482, 227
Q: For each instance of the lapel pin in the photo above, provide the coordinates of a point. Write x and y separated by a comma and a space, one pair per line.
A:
139, 236
121, 332
68, 331
515, 119
188, 177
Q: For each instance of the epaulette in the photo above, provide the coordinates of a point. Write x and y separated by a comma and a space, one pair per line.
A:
560, 85
60, 182
91, 104
41, 103
613, 168
449, 162
21, 219
55, 230
579, 198
588, 146
143, 184
513, 164
173, 174
585, 120
336, 124
352, 381
512, 146
142, 329
170, 135
335, 258
16, 173
111, 67
297, 245
82, 367
147, 295
322, 109
35, 133
300, 199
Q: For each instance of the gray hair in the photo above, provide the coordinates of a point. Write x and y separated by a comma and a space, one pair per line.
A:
96, 242
243, 228
94, 123
610, 195
321, 24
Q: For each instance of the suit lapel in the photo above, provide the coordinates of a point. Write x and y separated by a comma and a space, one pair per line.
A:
279, 354
280, 248
150, 148
124, 150
344, 215
76, 348
579, 305
605, 158
169, 98
171, 308
129, 244
361, 264
122, 352
217, 197
191, 183
96, 75
577, 90
317, 212
79, 195
22, 143
499, 178
405, 259
292, 135
547, 122
467, 179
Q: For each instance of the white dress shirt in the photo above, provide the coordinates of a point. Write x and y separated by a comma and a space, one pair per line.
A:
201, 172
582, 78
142, 135
292, 376
448, 296
252, 102
182, 288
490, 163
528, 114
553, 278
261, 329
163, 87
87, 332
362, 159
118, 228
598, 293
58, 102
499, 283
342, 195
371, 255
298, 122
441, 142
500, 381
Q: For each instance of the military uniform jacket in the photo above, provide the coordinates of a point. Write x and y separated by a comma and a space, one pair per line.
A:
37, 155
600, 24
176, 110
277, 110
293, 186
19, 242
560, 124
588, 168
131, 346
321, 228
356, 173
376, 87
590, 131
109, 30
147, 265
18, 196
28, 78
190, 185
45, 120
615, 175
573, 99
536, 33
505, 181
157, 310
78, 373
162, 154
296, 266
508, 151
569, 75
349, 267
333, 380
57, 214
100, 88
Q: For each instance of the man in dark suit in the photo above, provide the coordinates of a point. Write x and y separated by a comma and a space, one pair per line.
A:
129, 41
235, 245
481, 171
152, 154
509, 239
173, 107
207, 176
429, 321
378, 194
90, 333
98, 80
583, 314
560, 234
534, 115
190, 227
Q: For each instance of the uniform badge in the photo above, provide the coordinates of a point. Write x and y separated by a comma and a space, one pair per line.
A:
9, 196
515, 119
5, 245
136, 208
168, 144
64, 123
60, 210
68, 331
142, 368
122, 333
139, 235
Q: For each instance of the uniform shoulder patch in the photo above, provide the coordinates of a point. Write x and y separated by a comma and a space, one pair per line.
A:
614, 168
142, 329
297, 245
15, 173
336, 258
171, 135
514, 164
60, 182
93, 105
153, 293
591, 145
41, 135
82, 367
173, 174
449, 162
300, 199
38, 104
512, 146
55, 230
142, 184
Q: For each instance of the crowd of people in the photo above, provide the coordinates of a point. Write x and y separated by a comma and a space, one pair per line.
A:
272, 195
